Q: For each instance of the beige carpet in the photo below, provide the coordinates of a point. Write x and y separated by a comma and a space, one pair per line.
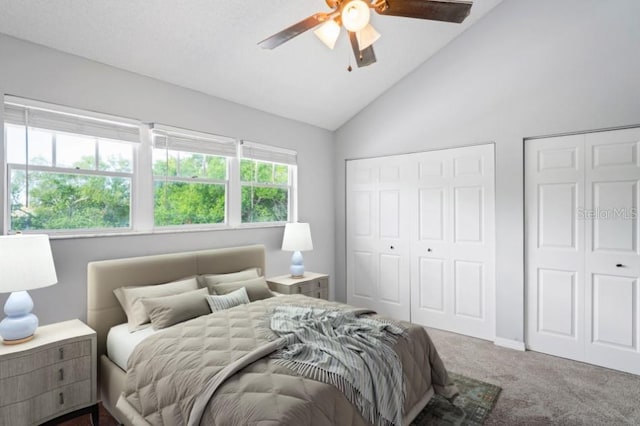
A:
539, 389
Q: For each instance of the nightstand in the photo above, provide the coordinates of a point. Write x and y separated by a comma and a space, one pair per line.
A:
49, 378
312, 284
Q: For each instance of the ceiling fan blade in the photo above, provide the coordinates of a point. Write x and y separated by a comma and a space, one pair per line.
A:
363, 57
435, 10
294, 30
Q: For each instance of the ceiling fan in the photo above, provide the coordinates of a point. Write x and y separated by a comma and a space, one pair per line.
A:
354, 16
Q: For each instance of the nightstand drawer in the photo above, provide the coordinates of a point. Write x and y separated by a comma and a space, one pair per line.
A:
322, 293
36, 360
319, 284
310, 286
18, 388
47, 404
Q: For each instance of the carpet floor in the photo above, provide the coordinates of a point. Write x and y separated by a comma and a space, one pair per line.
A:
539, 389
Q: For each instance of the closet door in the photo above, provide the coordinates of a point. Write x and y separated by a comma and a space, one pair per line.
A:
452, 241
420, 238
554, 196
378, 235
612, 256
582, 254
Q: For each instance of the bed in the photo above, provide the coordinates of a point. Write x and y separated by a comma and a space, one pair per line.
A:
257, 392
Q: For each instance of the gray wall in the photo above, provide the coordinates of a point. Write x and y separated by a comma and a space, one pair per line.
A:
529, 68
37, 72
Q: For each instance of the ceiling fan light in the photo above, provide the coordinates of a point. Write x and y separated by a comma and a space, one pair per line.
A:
367, 36
328, 33
355, 15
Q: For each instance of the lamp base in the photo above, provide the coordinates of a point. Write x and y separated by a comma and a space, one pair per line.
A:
297, 265
20, 323
17, 341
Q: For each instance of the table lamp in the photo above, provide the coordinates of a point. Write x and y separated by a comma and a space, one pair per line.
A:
26, 264
297, 238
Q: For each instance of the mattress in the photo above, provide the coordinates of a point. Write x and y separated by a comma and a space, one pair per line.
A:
121, 343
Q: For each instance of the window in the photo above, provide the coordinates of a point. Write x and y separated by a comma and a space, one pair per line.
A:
190, 176
77, 172
266, 177
67, 171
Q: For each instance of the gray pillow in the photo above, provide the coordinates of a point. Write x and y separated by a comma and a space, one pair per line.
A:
257, 288
130, 298
229, 300
244, 275
168, 310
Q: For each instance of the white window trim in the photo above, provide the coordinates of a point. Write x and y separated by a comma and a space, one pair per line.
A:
272, 154
96, 117
222, 146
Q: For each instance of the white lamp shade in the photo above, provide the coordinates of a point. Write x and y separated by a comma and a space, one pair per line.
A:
328, 33
26, 263
367, 36
297, 237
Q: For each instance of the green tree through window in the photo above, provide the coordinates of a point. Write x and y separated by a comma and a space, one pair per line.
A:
189, 188
265, 191
69, 181
59, 201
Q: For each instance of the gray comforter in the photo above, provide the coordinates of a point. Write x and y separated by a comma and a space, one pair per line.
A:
170, 370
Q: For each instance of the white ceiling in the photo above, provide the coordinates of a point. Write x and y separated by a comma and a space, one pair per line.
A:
210, 46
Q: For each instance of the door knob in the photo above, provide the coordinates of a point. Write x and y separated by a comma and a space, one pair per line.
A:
619, 265
392, 247
429, 250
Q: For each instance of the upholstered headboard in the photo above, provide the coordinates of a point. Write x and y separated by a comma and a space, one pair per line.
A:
103, 309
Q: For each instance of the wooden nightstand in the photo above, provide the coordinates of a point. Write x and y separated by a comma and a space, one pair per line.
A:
312, 284
50, 377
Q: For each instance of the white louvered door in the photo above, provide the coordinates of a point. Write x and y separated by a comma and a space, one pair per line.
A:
583, 259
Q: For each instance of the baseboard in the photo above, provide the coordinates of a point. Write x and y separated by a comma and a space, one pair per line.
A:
508, 343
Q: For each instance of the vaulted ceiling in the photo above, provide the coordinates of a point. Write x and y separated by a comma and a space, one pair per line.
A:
210, 46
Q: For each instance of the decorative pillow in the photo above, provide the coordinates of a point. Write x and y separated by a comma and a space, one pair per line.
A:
133, 307
244, 275
257, 288
168, 310
229, 300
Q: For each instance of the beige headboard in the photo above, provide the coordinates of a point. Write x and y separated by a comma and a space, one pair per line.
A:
103, 309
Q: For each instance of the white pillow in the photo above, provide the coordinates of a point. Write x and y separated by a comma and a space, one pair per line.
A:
132, 297
229, 300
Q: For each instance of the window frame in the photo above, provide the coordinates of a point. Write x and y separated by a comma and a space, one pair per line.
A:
68, 171
9, 167
207, 181
289, 186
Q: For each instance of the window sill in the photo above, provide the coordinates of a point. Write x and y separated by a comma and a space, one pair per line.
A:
159, 231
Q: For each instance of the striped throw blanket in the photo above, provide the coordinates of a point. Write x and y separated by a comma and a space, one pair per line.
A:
353, 353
